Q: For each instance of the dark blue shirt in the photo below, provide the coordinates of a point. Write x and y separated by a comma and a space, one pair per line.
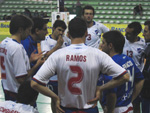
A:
30, 45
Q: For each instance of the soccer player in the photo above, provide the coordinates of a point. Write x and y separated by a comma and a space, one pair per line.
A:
119, 99
134, 47
26, 98
78, 67
145, 94
15, 66
51, 43
95, 29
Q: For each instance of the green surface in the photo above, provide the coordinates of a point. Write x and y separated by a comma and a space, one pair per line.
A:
3, 37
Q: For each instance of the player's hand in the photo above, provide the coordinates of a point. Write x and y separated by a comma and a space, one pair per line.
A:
60, 41
35, 56
40, 61
94, 101
58, 108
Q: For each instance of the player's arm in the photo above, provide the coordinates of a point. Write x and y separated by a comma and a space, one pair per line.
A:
137, 89
32, 71
97, 97
115, 82
57, 46
111, 102
47, 92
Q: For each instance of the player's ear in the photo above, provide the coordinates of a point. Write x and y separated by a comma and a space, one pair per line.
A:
110, 45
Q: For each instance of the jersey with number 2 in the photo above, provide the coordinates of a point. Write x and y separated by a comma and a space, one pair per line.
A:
78, 67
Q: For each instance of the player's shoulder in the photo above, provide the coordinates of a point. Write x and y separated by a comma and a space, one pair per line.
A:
98, 24
142, 40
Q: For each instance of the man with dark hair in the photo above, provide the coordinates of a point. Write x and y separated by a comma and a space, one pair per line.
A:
95, 29
51, 43
26, 97
15, 66
134, 47
38, 33
119, 99
145, 94
77, 75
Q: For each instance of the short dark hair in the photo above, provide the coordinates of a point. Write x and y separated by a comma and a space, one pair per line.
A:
77, 27
88, 7
148, 24
19, 21
26, 94
136, 26
38, 23
116, 38
59, 23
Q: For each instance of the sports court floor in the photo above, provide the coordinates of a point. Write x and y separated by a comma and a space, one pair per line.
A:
43, 102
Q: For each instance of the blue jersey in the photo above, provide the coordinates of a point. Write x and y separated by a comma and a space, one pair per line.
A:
30, 45
125, 91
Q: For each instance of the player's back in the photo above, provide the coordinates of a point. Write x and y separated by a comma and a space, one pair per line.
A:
78, 68
79, 75
125, 91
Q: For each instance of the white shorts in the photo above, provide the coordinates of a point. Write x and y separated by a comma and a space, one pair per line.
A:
125, 109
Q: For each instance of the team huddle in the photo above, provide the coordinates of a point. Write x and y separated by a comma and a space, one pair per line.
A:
76, 71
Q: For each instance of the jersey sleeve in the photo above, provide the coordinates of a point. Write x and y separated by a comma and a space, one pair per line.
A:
47, 70
44, 46
103, 28
110, 68
21, 66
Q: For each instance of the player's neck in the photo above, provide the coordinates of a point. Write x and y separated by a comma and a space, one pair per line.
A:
16, 37
90, 24
112, 53
77, 40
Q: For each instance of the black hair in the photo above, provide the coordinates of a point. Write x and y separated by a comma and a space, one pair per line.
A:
38, 23
26, 94
19, 21
148, 24
77, 27
59, 23
88, 7
116, 38
136, 26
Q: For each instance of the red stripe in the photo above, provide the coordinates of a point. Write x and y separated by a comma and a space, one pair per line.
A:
121, 74
34, 79
129, 109
3, 75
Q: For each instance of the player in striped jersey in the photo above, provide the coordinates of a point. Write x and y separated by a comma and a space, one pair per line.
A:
78, 67
121, 96
95, 29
